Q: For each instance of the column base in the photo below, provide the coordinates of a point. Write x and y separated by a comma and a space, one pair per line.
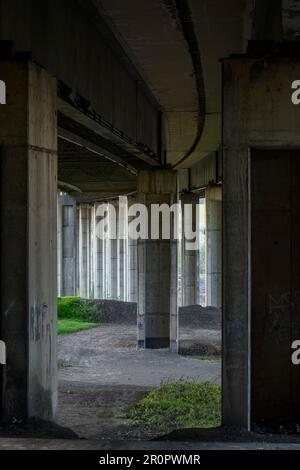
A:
157, 343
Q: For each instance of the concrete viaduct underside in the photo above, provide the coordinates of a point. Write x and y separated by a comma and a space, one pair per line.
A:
115, 98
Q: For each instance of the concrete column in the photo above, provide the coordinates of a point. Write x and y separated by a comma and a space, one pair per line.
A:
133, 265
133, 272
115, 258
84, 250
214, 246
251, 121
157, 268
68, 246
123, 248
93, 252
77, 238
59, 246
107, 258
189, 257
28, 133
99, 263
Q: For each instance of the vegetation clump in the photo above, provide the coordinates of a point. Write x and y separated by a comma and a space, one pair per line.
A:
179, 405
76, 314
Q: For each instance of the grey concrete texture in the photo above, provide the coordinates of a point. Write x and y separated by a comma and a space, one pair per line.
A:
250, 88
157, 267
28, 128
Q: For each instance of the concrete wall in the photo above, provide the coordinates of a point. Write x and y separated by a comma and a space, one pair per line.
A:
258, 112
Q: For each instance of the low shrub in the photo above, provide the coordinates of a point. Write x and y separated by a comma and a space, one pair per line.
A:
78, 308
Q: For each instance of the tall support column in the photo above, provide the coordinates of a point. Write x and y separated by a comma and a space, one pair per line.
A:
28, 132
157, 268
133, 271
59, 246
214, 246
99, 261
190, 257
107, 256
133, 265
68, 246
123, 248
93, 252
84, 250
115, 256
77, 238
258, 189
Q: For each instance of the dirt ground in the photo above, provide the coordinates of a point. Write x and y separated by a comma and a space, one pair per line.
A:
101, 374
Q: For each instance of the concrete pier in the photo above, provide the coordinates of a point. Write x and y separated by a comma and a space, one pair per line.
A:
157, 268
67, 246
190, 257
28, 132
213, 197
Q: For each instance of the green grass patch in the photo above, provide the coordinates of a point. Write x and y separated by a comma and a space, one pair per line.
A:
179, 405
67, 326
79, 309
76, 314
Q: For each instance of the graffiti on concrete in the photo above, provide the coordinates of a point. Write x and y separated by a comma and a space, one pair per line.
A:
2, 92
2, 353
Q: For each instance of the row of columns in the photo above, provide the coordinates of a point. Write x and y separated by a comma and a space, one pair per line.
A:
191, 268
108, 268
89, 266
29, 249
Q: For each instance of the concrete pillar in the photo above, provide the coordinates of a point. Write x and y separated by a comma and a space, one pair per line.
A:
123, 248
59, 246
189, 257
28, 133
213, 197
133, 265
133, 272
84, 250
93, 252
115, 256
77, 238
67, 246
157, 268
251, 86
99, 263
